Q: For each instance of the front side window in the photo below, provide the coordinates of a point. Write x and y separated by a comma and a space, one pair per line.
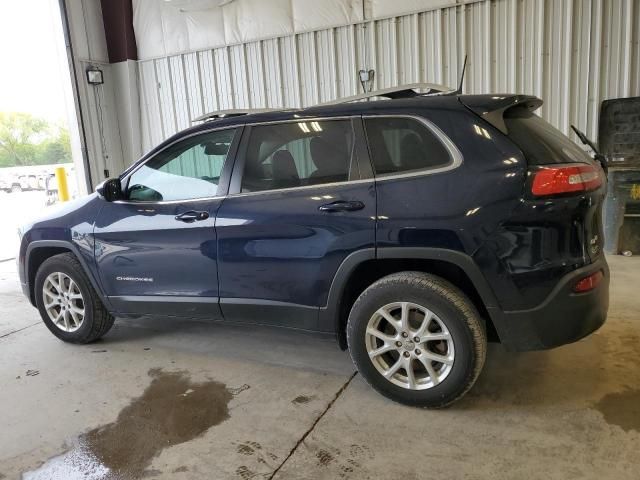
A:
187, 170
400, 145
298, 154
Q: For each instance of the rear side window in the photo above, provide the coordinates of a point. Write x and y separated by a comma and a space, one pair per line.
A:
541, 142
399, 145
298, 154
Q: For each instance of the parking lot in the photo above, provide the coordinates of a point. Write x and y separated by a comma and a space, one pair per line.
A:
269, 403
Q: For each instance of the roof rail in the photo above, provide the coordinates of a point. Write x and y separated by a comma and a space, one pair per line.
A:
401, 91
235, 112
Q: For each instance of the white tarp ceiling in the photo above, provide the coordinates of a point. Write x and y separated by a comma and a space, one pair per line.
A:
166, 27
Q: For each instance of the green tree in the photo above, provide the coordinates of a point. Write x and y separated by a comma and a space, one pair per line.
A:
54, 149
28, 140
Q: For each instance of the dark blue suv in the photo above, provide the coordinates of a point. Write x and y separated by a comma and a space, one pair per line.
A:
414, 229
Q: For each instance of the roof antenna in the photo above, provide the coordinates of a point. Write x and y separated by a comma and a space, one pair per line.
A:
464, 68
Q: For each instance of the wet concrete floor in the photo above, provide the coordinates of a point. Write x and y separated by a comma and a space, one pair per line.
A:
171, 410
622, 409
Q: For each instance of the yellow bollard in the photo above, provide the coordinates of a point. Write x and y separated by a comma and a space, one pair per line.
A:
63, 189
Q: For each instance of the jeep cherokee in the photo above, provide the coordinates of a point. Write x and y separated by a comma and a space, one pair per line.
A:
413, 229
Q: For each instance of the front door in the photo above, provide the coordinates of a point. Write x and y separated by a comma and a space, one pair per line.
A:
297, 208
156, 250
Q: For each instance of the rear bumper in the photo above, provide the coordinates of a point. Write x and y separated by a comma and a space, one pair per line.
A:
564, 316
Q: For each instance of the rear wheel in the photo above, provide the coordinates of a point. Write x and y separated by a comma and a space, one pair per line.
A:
68, 304
417, 339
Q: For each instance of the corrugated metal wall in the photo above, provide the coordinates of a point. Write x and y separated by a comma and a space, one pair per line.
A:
571, 53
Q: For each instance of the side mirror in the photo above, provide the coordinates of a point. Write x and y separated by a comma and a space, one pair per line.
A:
110, 190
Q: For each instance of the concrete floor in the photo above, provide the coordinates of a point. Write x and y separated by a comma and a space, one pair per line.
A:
267, 400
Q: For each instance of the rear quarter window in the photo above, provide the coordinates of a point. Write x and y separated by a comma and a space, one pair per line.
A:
541, 142
404, 145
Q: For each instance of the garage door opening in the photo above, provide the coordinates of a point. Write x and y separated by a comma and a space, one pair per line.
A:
38, 125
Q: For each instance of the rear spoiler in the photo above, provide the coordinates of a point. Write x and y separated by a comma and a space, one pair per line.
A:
492, 107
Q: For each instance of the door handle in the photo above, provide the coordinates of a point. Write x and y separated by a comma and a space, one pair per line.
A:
192, 216
342, 206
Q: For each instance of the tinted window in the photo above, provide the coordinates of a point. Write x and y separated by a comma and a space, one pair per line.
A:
186, 170
297, 154
403, 145
540, 142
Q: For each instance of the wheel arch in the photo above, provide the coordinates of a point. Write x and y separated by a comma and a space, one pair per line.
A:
40, 250
361, 269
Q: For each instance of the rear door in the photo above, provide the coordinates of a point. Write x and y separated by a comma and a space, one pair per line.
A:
156, 250
298, 206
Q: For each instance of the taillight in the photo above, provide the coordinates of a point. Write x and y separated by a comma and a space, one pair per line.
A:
565, 179
588, 283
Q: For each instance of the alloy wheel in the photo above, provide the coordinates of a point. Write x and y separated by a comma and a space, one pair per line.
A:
409, 345
63, 301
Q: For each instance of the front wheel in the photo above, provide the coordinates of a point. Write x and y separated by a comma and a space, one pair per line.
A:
417, 339
69, 306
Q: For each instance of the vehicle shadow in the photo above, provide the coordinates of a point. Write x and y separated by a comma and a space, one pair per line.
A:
264, 344
577, 375
580, 374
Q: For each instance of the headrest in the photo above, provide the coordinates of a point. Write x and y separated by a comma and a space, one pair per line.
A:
329, 157
285, 173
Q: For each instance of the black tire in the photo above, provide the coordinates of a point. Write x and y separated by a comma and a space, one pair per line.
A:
15, 188
97, 321
465, 327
